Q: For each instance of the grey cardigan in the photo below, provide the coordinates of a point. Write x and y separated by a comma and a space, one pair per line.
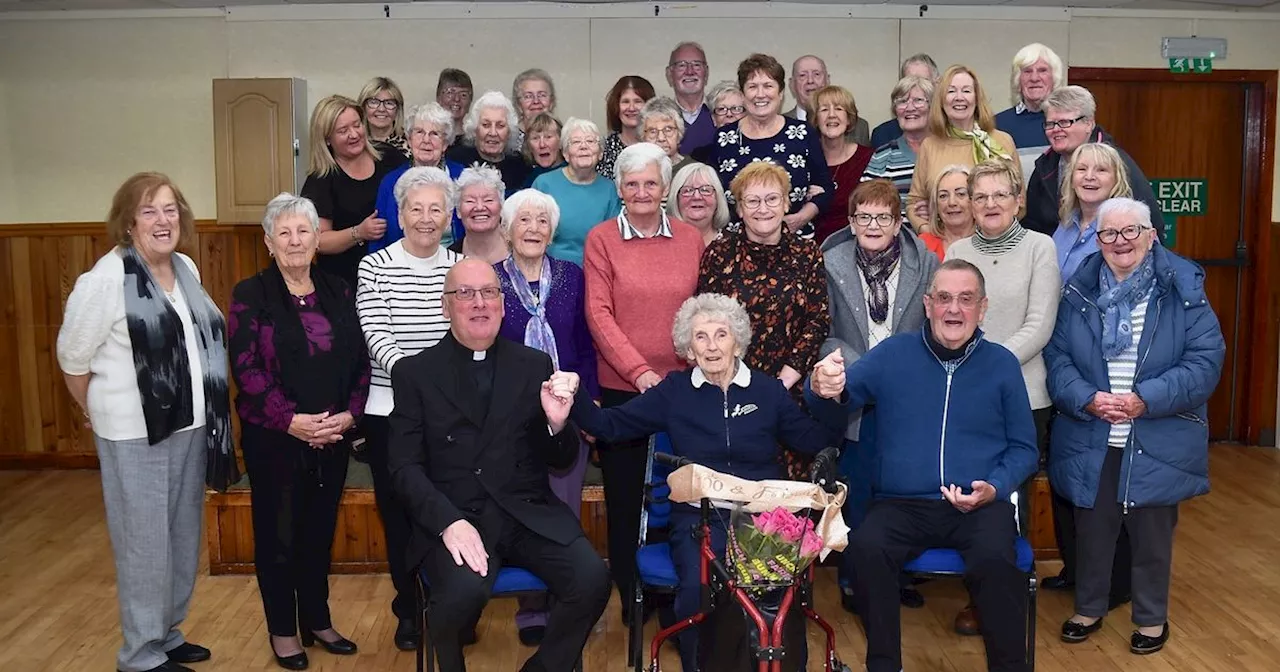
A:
848, 305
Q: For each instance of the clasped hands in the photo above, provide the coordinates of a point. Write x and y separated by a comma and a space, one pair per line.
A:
320, 429
1116, 408
557, 398
827, 380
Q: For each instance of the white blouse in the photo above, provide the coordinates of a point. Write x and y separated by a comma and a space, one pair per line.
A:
94, 339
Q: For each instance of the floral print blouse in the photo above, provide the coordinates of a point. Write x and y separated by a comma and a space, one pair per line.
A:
609, 154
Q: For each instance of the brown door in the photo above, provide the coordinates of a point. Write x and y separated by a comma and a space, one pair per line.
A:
1195, 128
257, 143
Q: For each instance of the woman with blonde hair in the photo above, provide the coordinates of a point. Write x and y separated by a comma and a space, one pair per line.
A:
383, 106
343, 177
1094, 174
950, 216
961, 131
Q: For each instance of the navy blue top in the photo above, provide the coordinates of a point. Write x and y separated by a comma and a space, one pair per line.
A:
888, 132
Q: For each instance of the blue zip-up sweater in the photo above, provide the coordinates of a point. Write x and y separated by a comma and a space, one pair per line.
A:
737, 433
937, 423
1180, 357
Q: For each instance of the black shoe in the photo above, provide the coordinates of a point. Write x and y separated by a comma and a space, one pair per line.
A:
297, 661
1059, 582
169, 666
1074, 633
532, 635
1116, 601
342, 647
187, 652
408, 637
910, 598
468, 637
847, 603
1142, 644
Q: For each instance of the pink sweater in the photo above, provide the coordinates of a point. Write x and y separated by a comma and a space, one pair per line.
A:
634, 289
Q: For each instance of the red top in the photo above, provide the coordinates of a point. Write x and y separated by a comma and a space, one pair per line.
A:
934, 243
846, 176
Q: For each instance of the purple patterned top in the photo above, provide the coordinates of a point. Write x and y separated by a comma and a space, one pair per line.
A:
261, 399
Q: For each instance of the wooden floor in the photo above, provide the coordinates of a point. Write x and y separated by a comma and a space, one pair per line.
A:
58, 608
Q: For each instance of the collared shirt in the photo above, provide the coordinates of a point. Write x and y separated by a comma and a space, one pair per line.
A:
742, 378
1020, 108
801, 113
690, 117
1074, 245
628, 231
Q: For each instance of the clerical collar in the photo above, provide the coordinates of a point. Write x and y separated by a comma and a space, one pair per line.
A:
479, 355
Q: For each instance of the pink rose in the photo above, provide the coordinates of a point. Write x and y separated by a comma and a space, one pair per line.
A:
811, 545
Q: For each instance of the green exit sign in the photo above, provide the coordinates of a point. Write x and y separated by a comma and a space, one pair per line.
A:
1180, 198
1191, 65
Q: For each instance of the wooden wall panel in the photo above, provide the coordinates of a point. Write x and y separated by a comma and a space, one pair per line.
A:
39, 265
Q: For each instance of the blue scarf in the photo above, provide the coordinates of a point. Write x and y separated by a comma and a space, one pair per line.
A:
537, 332
1116, 300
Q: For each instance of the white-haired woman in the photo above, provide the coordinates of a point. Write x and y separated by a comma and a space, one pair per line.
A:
384, 114
343, 176
479, 206
430, 128
302, 371
534, 93
492, 139
1037, 72
639, 268
398, 300
140, 311
662, 123
698, 200
544, 309
585, 197
712, 332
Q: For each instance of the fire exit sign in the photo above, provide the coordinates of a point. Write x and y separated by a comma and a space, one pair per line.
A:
1180, 198
1191, 65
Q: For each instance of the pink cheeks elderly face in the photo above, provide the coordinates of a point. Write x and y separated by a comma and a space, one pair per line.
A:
473, 317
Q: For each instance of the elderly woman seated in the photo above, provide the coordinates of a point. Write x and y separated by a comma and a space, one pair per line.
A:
713, 332
1135, 355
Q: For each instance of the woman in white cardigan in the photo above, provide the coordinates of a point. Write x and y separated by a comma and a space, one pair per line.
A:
143, 351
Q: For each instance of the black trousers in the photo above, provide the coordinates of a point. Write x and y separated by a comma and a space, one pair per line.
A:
395, 519
294, 492
897, 530
1064, 532
622, 465
576, 578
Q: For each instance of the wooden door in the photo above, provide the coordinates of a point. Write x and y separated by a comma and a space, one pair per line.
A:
254, 145
1189, 127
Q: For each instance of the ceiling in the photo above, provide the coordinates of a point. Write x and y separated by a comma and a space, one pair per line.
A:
1191, 5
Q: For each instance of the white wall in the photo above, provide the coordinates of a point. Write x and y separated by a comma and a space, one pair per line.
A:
86, 100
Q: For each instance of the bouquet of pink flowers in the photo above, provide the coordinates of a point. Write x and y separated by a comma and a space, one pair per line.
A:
771, 547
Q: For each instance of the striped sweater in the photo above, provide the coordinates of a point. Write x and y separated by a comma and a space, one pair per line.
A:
1121, 370
398, 299
894, 162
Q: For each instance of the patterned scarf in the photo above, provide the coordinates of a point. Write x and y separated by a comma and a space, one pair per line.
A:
537, 332
984, 146
876, 267
994, 247
1116, 301
164, 375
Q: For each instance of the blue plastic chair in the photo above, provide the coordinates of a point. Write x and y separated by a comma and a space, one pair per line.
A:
511, 582
947, 563
655, 572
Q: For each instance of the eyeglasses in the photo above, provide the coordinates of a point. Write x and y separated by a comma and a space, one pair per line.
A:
470, 293
883, 220
754, 202
725, 110
966, 300
375, 103
688, 65
907, 103
1130, 232
1062, 123
705, 190
997, 198
589, 142
419, 132
531, 96
654, 133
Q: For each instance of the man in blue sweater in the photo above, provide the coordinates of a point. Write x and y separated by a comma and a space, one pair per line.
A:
955, 438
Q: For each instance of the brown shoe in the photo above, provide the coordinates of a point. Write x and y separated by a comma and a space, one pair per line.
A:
967, 621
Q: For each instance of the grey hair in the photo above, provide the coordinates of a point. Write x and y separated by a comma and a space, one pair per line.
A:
288, 204
721, 217
434, 114
1072, 98
577, 125
1125, 206
904, 86
495, 100
528, 198
682, 45
1030, 54
719, 89
633, 159
426, 176
711, 306
530, 75
957, 264
662, 106
481, 174
920, 58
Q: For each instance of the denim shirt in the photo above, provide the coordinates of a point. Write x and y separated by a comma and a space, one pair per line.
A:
1074, 245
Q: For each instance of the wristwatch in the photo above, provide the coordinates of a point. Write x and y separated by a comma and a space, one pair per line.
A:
355, 238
